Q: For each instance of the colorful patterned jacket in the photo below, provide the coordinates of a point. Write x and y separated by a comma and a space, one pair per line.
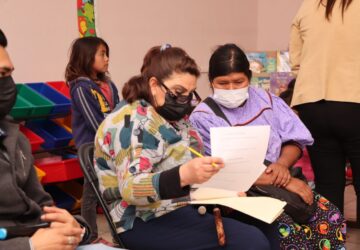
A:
137, 160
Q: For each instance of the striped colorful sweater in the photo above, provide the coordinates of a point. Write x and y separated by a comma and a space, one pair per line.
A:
137, 160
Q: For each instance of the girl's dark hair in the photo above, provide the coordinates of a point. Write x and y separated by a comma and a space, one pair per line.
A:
227, 59
3, 40
329, 5
82, 58
158, 63
288, 94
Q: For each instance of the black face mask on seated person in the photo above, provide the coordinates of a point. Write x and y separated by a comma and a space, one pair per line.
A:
7, 95
172, 110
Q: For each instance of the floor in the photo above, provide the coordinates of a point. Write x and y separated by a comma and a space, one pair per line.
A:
353, 236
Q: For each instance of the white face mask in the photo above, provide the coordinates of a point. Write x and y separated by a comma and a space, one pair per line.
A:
231, 98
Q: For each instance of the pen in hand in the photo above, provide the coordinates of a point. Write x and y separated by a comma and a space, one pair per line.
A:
200, 155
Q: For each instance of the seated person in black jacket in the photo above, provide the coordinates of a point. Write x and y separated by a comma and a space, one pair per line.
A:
23, 199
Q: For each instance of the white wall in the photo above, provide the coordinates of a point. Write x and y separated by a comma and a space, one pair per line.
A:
274, 18
39, 34
197, 26
40, 31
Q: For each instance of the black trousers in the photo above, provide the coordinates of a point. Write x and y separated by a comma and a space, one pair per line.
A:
335, 127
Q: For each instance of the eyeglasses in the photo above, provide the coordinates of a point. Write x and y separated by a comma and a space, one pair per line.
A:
193, 98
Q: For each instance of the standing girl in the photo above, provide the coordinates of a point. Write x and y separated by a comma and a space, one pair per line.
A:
93, 96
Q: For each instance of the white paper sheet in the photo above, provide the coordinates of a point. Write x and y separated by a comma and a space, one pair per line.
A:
243, 150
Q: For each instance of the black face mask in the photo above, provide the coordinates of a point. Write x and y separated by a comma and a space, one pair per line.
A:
7, 95
172, 110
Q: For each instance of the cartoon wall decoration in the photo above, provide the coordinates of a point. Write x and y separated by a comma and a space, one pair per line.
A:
86, 17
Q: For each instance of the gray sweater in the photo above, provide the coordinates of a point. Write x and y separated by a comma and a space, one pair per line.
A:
22, 195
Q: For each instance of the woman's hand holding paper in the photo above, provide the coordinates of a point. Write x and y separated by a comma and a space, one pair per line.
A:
199, 170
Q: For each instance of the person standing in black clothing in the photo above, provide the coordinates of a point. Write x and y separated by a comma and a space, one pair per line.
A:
324, 53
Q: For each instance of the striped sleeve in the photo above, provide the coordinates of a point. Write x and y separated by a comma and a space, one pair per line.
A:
88, 106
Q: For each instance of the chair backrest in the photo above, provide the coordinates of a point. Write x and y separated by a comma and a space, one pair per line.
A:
86, 158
